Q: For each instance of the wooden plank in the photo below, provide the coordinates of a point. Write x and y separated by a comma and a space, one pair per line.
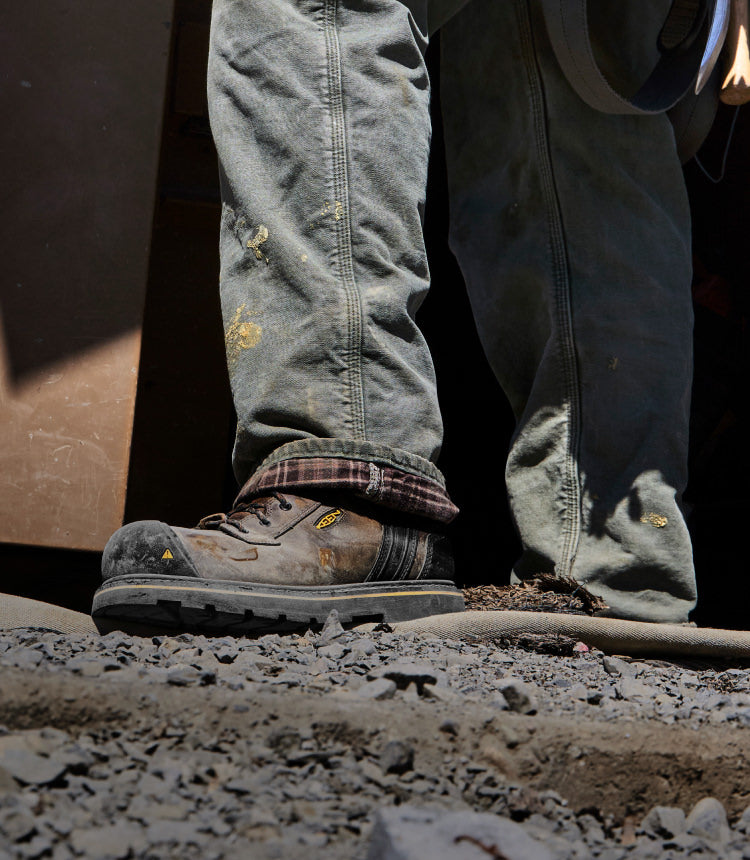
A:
84, 82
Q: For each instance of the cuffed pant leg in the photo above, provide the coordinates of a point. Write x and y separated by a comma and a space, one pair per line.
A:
572, 230
320, 114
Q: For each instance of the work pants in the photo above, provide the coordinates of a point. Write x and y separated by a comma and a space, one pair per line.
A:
572, 231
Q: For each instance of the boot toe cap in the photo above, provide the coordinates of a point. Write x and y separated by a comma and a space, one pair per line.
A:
148, 547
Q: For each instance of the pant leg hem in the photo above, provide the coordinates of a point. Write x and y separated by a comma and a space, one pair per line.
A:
354, 449
337, 477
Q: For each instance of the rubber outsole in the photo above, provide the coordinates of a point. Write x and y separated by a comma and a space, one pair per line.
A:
219, 606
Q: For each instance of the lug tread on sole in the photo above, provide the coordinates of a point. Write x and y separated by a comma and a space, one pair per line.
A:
215, 613
173, 617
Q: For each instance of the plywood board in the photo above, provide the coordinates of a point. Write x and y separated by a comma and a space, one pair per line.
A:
84, 82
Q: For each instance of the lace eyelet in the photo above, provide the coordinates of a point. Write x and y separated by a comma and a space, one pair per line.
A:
285, 506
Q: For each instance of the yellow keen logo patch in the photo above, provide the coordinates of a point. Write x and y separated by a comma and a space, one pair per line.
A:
328, 519
167, 554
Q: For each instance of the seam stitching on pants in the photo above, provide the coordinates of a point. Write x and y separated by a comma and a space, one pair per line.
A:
563, 309
343, 225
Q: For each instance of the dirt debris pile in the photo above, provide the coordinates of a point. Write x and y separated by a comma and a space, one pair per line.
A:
542, 593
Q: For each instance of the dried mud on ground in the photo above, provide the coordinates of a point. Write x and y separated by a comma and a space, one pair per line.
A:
331, 744
543, 593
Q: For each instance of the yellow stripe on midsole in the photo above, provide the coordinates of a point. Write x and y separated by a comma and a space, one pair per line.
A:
284, 596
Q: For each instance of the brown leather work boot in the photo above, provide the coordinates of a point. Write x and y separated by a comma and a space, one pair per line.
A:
280, 562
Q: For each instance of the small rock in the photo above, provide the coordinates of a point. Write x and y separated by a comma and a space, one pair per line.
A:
225, 655
520, 696
242, 785
687, 843
87, 667
183, 675
498, 700
406, 672
320, 666
16, 822
262, 816
332, 628
382, 688
609, 853
7, 783
591, 829
409, 833
629, 688
439, 694
500, 657
41, 741
411, 693
616, 666
291, 679
708, 819
61, 826
332, 652
111, 841
182, 832
364, 647
397, 757
373, 773
219, 828
665, 822
74, 758
29, 768
25, 659
743, 825
38, 846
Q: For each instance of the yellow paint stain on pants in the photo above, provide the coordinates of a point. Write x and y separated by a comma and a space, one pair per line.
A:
658, 521
241, 334
254, 244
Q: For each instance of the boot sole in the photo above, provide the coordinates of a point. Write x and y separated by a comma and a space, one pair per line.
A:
220, 606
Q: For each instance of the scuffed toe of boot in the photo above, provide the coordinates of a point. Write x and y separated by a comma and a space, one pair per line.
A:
148, 547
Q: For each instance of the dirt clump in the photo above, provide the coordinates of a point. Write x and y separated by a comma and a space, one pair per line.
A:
542, 593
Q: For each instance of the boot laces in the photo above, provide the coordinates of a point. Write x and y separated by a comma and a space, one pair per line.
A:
257, 508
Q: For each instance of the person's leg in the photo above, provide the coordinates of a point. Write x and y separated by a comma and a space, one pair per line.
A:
572, 230
320, 113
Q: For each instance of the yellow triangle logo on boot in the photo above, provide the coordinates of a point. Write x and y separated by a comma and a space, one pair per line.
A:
167, 554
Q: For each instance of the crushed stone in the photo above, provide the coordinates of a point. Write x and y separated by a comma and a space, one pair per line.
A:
226, 776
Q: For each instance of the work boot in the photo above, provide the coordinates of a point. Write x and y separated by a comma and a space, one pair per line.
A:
281, 562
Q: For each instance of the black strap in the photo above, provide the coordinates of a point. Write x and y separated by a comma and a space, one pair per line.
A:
682, 43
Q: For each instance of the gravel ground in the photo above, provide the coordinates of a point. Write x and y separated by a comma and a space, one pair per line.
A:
343, 744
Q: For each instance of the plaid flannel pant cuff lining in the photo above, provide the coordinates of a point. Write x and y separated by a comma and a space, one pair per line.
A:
378, 483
